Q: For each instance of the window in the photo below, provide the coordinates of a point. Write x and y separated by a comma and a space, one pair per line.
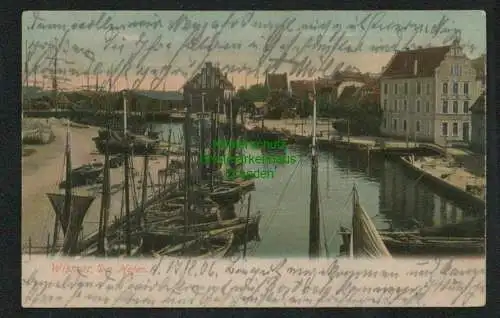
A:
445, 88
455, 107
427, 106
395, 88
455, 88
417, 125
444, 129
418, 106
396, 105
428, 89
454, 130
445, 107
385, 123
385, 104
386, 88
456, 70
406, 88
405, 105
466, 88
404, 125
419, 88
394, 124
466, 106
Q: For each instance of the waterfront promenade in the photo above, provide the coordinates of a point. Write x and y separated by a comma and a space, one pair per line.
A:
461, 167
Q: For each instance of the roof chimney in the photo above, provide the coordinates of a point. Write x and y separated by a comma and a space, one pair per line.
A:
415, 67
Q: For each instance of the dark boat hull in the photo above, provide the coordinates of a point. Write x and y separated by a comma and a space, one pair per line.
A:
439, 247
84, 175
116, 147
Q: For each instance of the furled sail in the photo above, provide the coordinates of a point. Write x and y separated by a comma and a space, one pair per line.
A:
366, 241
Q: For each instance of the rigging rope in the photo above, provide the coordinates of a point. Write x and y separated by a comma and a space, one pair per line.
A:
275, 210
414, 183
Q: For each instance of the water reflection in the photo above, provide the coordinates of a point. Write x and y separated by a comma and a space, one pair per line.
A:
387, 192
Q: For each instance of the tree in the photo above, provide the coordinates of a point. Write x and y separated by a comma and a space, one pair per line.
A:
255, 93
363, 118
281, 104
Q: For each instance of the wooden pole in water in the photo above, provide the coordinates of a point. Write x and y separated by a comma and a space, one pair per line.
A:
56, 234
246, 227
48, 243
167, 159
144, 197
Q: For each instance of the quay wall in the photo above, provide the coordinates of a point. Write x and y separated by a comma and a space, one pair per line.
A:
448, 189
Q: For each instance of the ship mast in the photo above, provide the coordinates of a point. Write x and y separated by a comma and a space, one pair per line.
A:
314, 220
126, 175
106, 195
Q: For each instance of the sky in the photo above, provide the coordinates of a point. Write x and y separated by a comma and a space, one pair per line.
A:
160, 50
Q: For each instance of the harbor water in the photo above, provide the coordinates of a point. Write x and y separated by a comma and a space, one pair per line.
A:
389, 195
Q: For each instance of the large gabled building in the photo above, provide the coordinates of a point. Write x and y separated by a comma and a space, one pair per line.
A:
426, 95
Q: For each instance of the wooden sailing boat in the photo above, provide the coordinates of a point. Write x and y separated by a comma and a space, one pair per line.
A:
70, 209
110, 240
185, 240
365, 239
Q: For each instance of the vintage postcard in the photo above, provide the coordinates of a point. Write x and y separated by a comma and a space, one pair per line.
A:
253, 158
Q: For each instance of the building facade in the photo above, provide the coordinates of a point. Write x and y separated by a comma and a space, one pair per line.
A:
209, 89
426, 95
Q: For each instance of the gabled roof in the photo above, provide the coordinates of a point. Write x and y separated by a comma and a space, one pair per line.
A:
479, 105
277, 81
428, 59
218, 72
301, 88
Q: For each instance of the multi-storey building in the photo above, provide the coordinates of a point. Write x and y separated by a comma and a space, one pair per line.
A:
426, 95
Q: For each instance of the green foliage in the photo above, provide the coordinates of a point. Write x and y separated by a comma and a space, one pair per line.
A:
364, 118
281, 105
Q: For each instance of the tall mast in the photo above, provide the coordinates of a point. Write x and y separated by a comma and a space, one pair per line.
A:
314, 226
67, 190
126, 173
54, 77
202, 136
144, 197
232, 149
26, 82
187, 167
106, 195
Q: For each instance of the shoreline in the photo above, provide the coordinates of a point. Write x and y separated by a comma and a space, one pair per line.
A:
44, 169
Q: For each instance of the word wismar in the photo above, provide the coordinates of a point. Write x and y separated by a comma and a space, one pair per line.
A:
242, 144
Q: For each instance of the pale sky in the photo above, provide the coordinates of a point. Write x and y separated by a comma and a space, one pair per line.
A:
149, 41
